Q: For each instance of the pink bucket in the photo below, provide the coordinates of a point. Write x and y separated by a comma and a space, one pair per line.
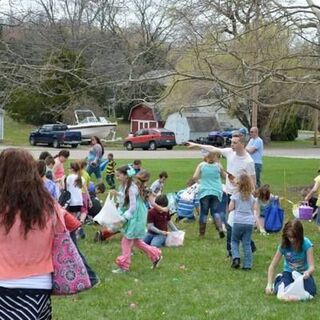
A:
305, 212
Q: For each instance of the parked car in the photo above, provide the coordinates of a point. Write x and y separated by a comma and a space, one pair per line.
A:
55, 135
151, 139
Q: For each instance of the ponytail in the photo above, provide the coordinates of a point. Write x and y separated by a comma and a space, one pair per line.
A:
76, 168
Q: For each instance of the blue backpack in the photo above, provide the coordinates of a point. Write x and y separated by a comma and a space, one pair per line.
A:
274, 216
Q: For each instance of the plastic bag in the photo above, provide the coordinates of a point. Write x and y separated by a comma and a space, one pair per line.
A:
109, 216
175, 239
295, 290
230, 218
295, 210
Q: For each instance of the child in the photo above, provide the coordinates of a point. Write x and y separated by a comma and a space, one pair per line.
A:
187, 201
49, 184
297, 251
136, 165
110, 171
315, 188
85, 194
58, 168
158, 185
134, 214
100, 188
44, 154
243, 203
264, 199
158, 223
49, 166
209, 173
74, 184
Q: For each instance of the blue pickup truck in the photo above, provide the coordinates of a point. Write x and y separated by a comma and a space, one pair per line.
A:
55, 135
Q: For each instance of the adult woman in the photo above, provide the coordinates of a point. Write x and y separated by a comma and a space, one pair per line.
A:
94, 158
209, 173
26, 235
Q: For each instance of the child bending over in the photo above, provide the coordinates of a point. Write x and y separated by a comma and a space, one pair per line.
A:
297, 251
158, 223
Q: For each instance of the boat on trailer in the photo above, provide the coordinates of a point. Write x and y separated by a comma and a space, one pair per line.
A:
89, 125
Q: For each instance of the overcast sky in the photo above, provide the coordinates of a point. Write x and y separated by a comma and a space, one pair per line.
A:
23, 5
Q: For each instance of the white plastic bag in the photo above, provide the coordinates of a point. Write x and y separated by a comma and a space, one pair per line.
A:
109, 216
175, 238
295, 290
295, 211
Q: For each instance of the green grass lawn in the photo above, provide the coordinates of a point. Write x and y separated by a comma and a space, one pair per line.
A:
194, 281
16, 133
301, 144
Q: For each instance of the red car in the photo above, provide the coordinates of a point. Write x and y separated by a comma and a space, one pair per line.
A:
151, 139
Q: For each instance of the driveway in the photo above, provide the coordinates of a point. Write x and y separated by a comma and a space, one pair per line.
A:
82, 152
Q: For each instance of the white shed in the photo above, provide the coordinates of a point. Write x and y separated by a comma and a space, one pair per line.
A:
1, 125
191, 124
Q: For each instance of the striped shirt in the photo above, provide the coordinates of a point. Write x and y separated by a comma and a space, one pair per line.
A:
110, 167
185, 207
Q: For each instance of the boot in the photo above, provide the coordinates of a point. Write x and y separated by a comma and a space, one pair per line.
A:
202, 228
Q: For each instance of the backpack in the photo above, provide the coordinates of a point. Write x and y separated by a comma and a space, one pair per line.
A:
64, 198
274, 216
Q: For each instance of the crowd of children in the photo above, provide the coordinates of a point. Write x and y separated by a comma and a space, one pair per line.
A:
147, 215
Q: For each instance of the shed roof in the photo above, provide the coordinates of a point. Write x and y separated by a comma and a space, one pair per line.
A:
155, 110
203, 123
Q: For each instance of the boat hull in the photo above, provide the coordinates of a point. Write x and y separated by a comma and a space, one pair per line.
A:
101, 130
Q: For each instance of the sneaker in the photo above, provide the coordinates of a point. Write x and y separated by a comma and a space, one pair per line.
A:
156, 263
97, 237
235, 263
246, 269
119, 271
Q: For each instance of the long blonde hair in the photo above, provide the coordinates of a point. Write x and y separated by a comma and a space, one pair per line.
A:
245, 186
212, 157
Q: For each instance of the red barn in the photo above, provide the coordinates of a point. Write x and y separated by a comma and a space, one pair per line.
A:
144, 115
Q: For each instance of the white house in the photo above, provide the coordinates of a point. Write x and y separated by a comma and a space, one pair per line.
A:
191, 123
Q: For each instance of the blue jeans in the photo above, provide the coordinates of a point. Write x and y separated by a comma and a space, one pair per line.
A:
94, 169
155, 240
223, 207
286, 278
110, 180
243, 233
211, 203
258, 169
92, 275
